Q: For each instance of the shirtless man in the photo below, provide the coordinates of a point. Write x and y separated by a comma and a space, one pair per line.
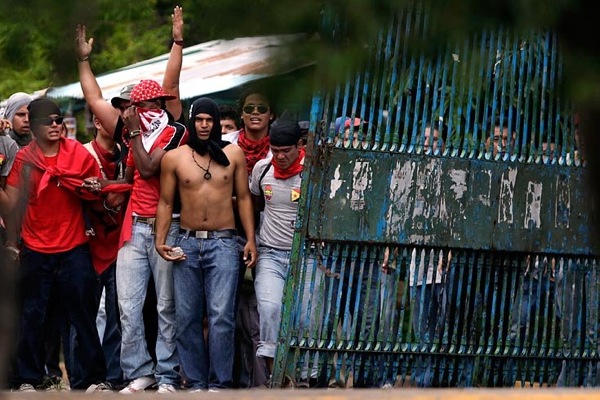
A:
206, 175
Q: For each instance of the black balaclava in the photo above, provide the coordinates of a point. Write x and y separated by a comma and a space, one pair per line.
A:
214, 144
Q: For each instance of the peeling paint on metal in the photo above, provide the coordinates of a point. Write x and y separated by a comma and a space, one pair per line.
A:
401, 182
362, 177
563, 202
485, 198
336, 182
459, 182
533, 205
506, 196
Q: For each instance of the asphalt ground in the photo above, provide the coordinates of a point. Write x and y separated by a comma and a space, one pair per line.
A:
527, 393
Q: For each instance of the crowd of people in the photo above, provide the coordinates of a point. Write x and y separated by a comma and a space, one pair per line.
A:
145, 240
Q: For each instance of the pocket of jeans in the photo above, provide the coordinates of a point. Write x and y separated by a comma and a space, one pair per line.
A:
230, 243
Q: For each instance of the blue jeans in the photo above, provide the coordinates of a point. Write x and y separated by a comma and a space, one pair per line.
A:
72, 273
111, 338
138, 259
353, 287
271, 272
206, 283
426, 320
310, 310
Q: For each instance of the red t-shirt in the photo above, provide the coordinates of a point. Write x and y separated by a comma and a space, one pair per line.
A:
53, 220
145, 193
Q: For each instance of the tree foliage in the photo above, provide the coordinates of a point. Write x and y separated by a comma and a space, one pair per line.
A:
37, 36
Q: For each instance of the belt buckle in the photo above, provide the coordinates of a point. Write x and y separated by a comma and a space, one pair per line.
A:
201, 234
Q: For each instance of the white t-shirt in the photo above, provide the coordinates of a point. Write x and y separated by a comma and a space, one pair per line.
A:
281, 205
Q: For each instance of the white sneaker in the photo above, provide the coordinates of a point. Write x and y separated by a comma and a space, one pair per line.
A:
212, 390
139, 385
99, 388
26, 387
165, 388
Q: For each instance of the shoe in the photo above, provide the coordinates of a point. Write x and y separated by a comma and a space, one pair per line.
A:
26, 387
197, 391
212, 390
53, 384
388, 386
165, 388
139, 385
100, 387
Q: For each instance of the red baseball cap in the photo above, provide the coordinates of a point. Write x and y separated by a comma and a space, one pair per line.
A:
148, 89
357, 122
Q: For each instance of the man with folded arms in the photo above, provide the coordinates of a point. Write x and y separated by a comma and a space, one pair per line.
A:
206, 173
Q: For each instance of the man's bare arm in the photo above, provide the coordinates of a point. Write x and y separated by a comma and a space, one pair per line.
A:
172, 73
147, 164
9, 196
168, 186
244, 204
107, 115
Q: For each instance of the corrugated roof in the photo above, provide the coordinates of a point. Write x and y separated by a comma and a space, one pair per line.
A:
207, 67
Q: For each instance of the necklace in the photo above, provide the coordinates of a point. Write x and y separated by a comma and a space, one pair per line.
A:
207, 174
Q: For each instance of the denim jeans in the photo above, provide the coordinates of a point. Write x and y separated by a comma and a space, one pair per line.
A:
138, 259
206, 282
426, 320
353, 287
271, 272
310, 311
111, 334
72, 273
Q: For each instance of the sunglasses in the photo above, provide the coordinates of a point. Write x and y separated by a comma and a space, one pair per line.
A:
47, 121
262, 109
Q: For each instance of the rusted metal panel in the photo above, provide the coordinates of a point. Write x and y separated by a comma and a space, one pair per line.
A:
436, 201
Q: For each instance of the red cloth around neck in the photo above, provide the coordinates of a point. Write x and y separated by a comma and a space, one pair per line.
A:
253, 150
292, 170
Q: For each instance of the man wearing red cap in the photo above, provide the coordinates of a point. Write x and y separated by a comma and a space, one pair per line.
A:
152, 133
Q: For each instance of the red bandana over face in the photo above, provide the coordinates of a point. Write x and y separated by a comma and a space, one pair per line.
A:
292, 170
253, 150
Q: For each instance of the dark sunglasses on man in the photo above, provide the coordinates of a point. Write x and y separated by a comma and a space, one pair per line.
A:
249, 108
47, 121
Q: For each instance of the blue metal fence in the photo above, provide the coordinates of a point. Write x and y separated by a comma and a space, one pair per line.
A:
446, 237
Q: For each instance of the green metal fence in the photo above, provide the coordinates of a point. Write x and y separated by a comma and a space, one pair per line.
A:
448, 239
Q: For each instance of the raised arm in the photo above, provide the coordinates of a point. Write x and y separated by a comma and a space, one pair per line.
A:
107, 115
173, 71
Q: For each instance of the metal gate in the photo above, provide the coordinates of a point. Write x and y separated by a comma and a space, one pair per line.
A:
448, 239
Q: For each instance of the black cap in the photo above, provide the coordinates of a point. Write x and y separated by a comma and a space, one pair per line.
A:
42, 108
284, 132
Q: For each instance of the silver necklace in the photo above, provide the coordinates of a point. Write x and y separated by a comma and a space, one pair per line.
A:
207, 174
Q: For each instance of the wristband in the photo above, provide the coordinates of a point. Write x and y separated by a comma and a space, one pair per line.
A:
178, 42
134, 133
82, 59
109, 208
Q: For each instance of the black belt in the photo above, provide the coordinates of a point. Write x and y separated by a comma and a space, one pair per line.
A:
220, 234
150, 220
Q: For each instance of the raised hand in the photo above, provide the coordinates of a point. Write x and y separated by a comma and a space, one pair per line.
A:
83, 47
177, 21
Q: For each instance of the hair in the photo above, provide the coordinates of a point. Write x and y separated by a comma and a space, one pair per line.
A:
230, 112
255, 90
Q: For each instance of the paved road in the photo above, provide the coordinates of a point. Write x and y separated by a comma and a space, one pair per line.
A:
339, 394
